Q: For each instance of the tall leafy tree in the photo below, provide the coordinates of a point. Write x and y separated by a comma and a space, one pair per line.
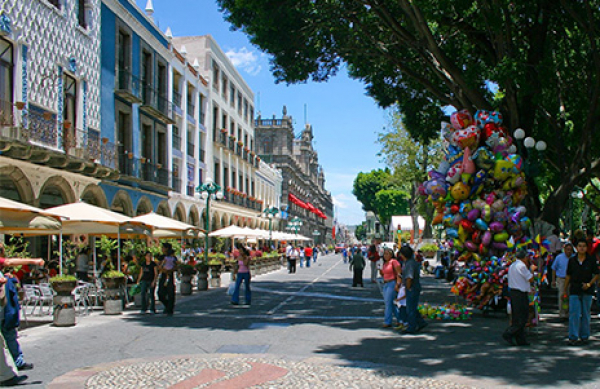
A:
543, 56
391, 202
366, 186
410, 159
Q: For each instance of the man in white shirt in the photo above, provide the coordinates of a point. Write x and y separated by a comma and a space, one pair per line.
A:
288, 255
519, 283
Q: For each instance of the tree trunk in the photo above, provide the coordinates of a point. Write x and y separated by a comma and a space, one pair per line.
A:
414, 212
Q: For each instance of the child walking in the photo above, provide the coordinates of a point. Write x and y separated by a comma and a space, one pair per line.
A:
401, 304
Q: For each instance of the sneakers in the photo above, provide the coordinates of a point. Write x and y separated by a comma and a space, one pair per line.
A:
508, 338
16, 380
25, 366
400, 327
573, 342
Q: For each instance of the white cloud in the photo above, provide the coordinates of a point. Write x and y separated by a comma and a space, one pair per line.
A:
348, 209
245, 60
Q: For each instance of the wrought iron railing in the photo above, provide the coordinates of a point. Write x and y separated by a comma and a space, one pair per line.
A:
129, 83
202, 155
177, 99
7, 110
176, 140
191, 190
157, 101
190, 149
176, 184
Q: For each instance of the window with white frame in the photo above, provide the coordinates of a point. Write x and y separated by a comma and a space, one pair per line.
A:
6, 82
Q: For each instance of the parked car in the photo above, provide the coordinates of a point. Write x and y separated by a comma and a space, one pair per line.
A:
339, 248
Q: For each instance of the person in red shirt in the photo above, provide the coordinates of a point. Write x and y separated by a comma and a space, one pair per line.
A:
308, 253
593, 244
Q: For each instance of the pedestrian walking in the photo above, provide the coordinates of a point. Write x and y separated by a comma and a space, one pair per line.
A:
242, 274
357, 264
401, 304
582, 274
166, 283
288, 256
294, 255
315, 253
82, 264
147, 280
345, 254
559, 273
390, 271
411, 279
519, 283
308, 253
373, 257
301, 256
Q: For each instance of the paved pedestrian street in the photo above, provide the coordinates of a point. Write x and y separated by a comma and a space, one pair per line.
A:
305, 330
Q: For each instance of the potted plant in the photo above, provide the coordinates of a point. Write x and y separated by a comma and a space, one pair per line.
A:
429, 249
63, 314
187, 272
63, 285
215, 263
202, 268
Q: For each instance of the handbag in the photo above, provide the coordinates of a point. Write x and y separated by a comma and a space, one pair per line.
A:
135, 289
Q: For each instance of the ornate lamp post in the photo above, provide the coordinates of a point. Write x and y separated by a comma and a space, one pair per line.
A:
540, 146
271, 213
295, 224
316, 234
209, 190
577, 193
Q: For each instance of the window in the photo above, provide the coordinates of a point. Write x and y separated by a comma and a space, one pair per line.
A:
225, 87
81, 13
6, 82
216, 74
239, 103
231, 95
251, 113
201, 106
69, 101
239, 135
124, 50
245, 110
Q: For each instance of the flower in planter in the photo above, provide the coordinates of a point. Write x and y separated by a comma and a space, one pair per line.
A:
240, 143
223, 130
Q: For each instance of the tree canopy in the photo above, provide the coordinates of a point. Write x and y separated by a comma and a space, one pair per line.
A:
542, 55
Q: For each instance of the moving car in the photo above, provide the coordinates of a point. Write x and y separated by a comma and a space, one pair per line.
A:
339, 247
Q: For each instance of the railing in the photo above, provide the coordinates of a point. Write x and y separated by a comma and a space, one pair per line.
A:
155, 173
127, 165
202, 155
232, 144
238, 149
41, 127
268, 122
176, 140
190, 149
6, 113
223, 138
177, 98
190, 107
202, 115
157, 102
242, 201
127, 83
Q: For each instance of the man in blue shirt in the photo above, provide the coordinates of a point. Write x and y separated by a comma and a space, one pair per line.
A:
411, 275
559, 272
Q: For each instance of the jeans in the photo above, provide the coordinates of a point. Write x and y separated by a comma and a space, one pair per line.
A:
315, 257
242, 277
147, 292
413, 316
166, 291
519, 305
301, 261
10, 337
391, 309
373, 271
307, 260
8, 369
402, 314
292, 265
579, 316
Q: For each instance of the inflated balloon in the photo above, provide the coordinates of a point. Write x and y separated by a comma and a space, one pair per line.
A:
443, 168
483, 158
452, 233
515, 217
486, 239
525, 223
513, 229
481, 225
517, 162
447, 131
468, 164
499, 246
470, 246
501, 217
490, 198
467, 137
478, 204
496, 226
454, 208
462, 233
465, 208
502, 145
503, 169
438, 218
473, 214
483, 117
458, 245
467, 225
460, 191
476, 236
454, 173
498, 205
486, 213
501, 236
492, 128
461, 119
456, 219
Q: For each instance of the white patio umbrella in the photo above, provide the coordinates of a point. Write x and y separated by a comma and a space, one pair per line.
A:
19, 218
231, 231
83, 218
165, 227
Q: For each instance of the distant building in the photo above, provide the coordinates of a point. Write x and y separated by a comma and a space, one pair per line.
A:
303, 188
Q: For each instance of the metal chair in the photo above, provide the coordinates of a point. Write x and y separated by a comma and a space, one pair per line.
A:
81, 297
47, 297
32, 298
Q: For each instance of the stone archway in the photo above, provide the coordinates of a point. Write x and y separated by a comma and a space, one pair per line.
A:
15, 185
163, 209
144, 206
94, 195
56, 191
179, 213
122, 204
193, 217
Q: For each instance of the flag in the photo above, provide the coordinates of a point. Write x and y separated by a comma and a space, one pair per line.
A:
333, 230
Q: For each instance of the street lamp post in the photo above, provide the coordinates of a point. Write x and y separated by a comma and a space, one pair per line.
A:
577, 193
271, 213
209, 190
295, 224
531, 168
316, 234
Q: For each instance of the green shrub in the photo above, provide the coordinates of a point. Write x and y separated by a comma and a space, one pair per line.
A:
113, 274
429, 247
63, 278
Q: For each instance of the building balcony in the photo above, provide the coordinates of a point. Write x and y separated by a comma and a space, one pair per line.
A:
191, 190
191, 108
190, 149
177, 99
157, 105
36, 138
128, 86
231, 143
240, 200
202, 155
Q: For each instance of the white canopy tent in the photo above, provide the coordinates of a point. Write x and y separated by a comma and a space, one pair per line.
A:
164, 227
405, 223
19, 218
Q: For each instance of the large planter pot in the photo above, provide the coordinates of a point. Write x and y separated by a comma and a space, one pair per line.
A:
203, 280
113, 283
63, 314
215, 276
64, 288
185, 287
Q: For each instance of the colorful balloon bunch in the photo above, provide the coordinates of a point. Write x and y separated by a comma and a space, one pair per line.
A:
477, 191
445, 312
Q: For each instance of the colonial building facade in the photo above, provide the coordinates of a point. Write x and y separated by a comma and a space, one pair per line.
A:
303, 187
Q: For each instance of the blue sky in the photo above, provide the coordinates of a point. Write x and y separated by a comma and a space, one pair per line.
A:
345, 121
